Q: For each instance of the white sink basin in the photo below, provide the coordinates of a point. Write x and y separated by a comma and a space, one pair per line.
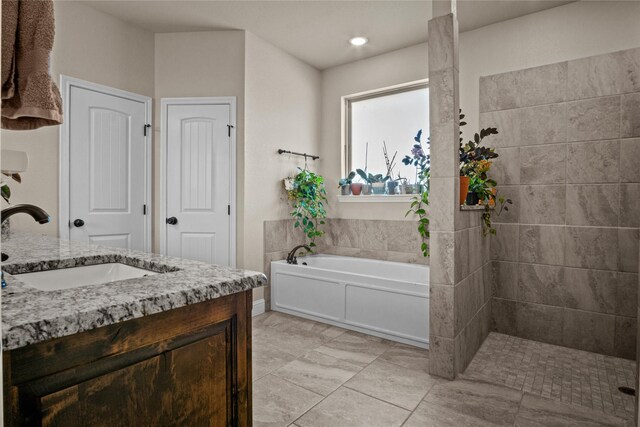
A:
67, 278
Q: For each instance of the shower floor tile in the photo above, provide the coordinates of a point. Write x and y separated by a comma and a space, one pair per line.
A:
562, 374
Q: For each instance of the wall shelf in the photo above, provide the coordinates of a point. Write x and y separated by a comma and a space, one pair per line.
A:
473, 208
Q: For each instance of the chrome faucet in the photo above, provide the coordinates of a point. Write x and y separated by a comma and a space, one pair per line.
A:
291, 258
36, 213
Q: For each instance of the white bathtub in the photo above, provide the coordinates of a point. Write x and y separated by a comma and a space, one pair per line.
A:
381, 298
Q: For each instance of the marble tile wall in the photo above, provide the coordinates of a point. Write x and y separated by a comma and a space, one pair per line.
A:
460, 264
387, 240
565, 258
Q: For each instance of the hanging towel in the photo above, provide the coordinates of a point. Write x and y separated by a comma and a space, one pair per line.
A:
35, 101
9, 32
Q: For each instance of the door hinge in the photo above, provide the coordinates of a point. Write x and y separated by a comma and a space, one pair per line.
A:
144, 129
228, 209
144, 209
229, 129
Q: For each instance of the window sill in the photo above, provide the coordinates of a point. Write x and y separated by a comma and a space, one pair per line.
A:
473, 208
376, 198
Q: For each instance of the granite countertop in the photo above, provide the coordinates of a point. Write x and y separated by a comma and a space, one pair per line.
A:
30, 315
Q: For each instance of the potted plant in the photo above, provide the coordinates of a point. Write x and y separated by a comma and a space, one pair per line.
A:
356, 188
422, 162
376, 182
392, 184
345, 184
470, 154
308, 197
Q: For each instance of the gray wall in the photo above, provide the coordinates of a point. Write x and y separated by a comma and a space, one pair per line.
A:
565, 259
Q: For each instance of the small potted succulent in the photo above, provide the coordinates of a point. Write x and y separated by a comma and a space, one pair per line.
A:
345, 184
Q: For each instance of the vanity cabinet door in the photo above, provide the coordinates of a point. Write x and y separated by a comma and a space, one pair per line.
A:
183, 387
189, 366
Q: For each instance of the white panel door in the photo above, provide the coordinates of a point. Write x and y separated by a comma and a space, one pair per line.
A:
198, 182
107, 167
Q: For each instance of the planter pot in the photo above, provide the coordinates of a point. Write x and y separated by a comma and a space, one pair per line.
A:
345, 190
378, 187
472, 199
464, 189
408, 188
356, 189
366, 189
393, 187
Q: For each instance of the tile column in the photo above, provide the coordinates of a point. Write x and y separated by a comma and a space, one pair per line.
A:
443, 200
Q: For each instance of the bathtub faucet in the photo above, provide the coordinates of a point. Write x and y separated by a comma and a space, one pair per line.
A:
291, 258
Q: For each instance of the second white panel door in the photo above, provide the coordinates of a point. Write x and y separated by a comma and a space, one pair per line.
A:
198, 182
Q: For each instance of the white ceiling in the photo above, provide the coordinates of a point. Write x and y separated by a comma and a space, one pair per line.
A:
316, 32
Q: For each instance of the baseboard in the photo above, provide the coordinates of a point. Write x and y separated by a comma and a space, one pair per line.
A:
258, 307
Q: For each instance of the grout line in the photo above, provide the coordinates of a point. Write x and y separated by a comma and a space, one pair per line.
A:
565, 308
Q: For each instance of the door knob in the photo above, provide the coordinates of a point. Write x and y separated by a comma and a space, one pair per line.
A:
78, 222
172, 221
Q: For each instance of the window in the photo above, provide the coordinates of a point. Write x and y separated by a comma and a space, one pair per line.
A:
392, 116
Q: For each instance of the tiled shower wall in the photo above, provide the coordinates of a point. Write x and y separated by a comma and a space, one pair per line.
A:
565, 259
375, 239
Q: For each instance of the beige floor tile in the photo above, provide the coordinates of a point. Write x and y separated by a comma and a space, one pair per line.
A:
537, 411
407, 356
392, 383
291, 339
271, 319
267, 359
431, 415
324, 331
488, 402
348, 408
355, 348
318, 372
277, 402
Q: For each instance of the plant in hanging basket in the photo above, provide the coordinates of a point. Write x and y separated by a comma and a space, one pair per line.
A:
308, 196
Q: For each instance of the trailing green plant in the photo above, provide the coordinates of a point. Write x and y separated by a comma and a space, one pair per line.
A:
500, 203
348, 180
308, 196
419, 202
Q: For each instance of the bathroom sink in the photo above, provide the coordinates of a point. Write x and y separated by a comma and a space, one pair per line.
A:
67, 278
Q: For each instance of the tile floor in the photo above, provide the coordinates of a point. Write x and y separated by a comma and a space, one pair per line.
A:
311, 374
566, 375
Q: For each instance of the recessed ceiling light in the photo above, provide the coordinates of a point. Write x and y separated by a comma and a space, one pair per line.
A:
358, 41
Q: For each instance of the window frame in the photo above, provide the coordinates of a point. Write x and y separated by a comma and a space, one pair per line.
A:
347, 100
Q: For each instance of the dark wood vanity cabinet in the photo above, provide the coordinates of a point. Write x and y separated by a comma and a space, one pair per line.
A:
189, 366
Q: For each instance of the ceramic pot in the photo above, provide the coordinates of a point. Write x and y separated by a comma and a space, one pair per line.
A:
378, 187
393, 187
345, 190
464, 189
408, 188
472, 199
366, 189
356, 188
